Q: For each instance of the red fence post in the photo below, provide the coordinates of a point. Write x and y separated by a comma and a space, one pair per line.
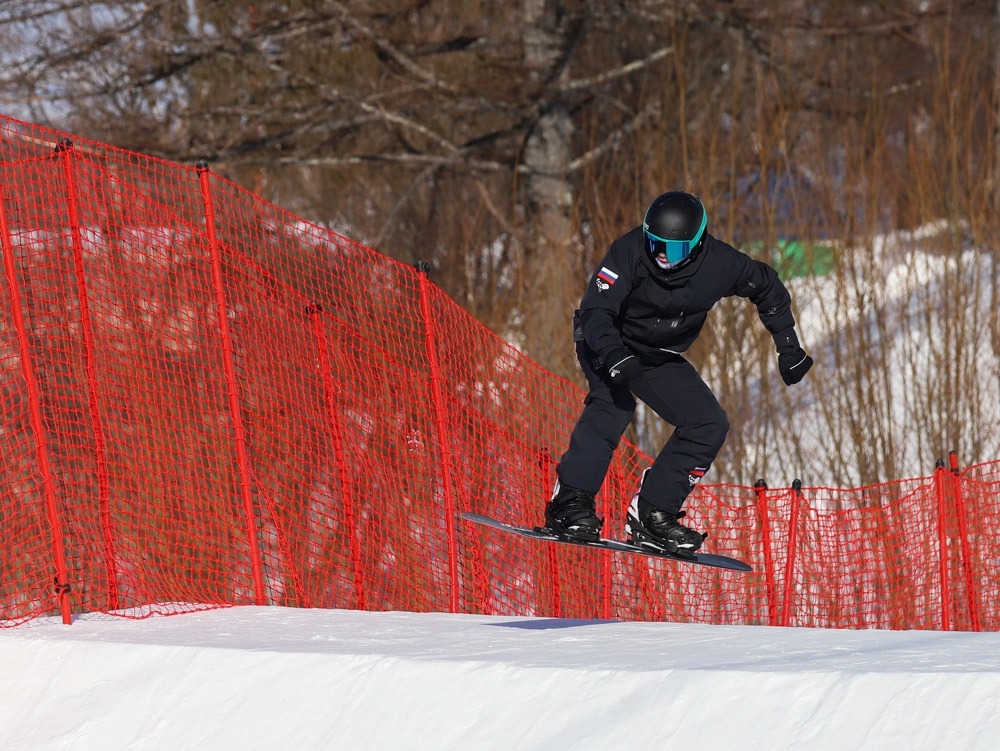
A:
940, 475
37, 422
793, 541
971, 590
66, 154
553, 560
760, 488
218, 282
343, 471
606, 563
443, 434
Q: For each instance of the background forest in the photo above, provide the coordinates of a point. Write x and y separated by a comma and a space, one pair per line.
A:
854, 145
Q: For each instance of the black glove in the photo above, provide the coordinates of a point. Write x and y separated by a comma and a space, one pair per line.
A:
793, 366
624, 368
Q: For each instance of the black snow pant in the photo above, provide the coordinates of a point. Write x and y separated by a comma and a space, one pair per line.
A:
673, 390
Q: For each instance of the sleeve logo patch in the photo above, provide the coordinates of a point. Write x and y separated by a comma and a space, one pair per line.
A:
605, 278
695, 475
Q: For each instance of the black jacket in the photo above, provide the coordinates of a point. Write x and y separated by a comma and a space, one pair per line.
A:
633, 306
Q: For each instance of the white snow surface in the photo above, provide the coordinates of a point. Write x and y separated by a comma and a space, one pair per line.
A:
281, 678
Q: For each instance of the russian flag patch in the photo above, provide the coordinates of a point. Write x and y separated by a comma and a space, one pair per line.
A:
605, 278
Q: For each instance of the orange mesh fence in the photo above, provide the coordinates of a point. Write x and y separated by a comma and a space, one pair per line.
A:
207, 401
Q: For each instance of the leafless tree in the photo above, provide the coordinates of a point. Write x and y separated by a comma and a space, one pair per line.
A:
509, 143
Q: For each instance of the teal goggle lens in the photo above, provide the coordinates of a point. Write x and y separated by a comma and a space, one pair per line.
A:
674, 250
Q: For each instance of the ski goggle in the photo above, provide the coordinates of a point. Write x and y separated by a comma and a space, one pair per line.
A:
674, 250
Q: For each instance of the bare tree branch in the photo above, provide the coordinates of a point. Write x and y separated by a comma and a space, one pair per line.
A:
351, 21
615, 139
611, 75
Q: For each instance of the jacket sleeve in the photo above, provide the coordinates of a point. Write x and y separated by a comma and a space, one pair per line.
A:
760, 284
606, 291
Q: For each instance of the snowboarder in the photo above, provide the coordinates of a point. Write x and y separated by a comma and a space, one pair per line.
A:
644, 306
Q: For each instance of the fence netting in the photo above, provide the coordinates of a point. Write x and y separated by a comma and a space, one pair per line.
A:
207, 401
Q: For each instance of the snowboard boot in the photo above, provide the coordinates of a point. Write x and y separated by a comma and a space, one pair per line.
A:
649, 526
572, 512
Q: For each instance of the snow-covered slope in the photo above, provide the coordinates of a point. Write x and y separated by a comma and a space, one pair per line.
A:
276, 678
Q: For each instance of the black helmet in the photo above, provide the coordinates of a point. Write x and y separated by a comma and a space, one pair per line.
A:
674, 227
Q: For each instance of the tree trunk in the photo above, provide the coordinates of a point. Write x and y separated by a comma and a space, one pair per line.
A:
551, 289
995, 265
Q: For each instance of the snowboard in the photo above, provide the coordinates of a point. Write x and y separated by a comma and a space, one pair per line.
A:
541, 533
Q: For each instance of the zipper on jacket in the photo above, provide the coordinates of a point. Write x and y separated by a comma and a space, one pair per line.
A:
675, 322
